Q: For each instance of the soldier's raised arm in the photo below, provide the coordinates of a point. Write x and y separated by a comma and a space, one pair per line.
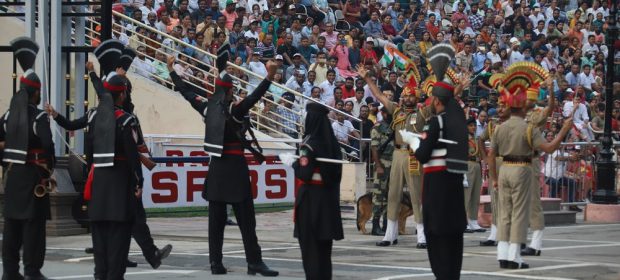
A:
376, 92
198, 102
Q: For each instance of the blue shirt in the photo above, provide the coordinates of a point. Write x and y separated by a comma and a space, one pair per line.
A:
373, 29
478, 61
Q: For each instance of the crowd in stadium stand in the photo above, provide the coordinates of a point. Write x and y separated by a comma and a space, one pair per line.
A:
319, 44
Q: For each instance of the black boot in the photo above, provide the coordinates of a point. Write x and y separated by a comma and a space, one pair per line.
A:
160, 254
384, 226
376, 229
262, 269
217, 268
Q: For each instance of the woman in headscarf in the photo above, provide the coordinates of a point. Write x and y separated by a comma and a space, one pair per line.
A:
317, 205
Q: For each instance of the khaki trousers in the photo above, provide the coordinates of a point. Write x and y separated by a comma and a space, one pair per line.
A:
514, 202
537, 217
399, 176
472, 192
494, 194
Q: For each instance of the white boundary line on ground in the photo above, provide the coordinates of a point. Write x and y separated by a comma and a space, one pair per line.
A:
552, 267
569, 247
425, 269
130, 273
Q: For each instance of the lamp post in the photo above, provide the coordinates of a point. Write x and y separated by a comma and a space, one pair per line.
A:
606, 168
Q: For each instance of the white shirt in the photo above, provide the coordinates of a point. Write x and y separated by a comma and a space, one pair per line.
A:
535, 19
589, 48
342, 130
586, 80
479, 128
251, 34
555, 168
328, 90
515, 56
123, 38
143, 67
305, 88
495, 58
262, 4
581, 115
258, 68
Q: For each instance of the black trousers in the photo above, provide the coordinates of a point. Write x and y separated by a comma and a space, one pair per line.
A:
142, 234
111, 246
28, 235
445, 253
246, 219
315, 254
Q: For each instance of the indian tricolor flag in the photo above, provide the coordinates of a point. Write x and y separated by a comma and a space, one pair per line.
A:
393, 55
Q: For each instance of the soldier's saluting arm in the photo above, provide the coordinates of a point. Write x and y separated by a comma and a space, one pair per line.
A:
198, 102
239, 110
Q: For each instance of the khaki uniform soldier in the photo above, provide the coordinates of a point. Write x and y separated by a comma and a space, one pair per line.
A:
493, 193
474, 179
510, 141
536, 119
382, 147
405, 168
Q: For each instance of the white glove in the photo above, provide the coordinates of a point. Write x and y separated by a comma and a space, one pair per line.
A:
409, 138
287, 158
465, 183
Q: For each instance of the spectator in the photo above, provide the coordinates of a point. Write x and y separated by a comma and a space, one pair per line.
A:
555, 170
368, 54
289, 119
464, 58
392, 85
347, 89
307, 52
287, 50
586, 78
257, 67
573, 76
320, 68
337, 97
161, 68
199, 14
355, 53
580, 117
327, 86
142, 65
298, 82
230, 14
357, 101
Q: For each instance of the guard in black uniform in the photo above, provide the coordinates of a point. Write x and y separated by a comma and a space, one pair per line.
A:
114, 180
226, 124
317, 205
28, 163
140, 231
444, 168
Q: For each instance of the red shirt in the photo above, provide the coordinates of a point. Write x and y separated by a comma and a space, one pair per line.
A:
367, 55
347, 93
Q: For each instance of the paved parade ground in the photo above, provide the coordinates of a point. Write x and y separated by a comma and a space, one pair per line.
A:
581, 251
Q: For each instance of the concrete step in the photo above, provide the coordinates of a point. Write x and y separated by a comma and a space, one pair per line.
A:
554, 215
551, 204
553, 218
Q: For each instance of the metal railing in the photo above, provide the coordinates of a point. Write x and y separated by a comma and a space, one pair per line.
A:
568, 173
271, 122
